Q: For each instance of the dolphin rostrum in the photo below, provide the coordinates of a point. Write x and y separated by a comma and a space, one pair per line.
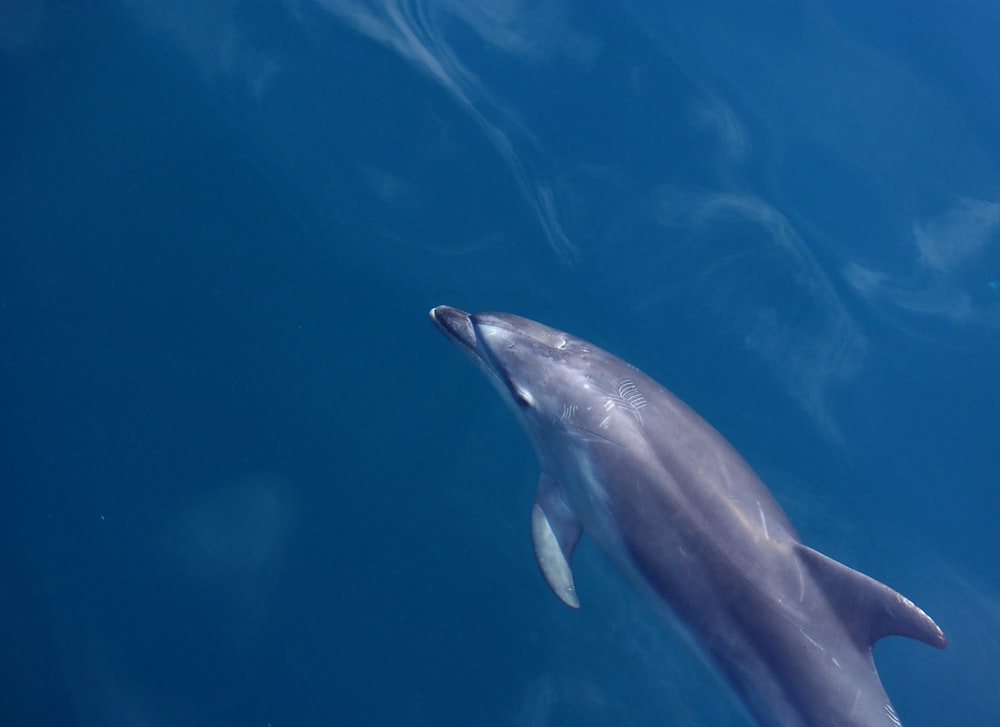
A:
690, 525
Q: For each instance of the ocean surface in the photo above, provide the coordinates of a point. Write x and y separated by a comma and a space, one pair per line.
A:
245, 482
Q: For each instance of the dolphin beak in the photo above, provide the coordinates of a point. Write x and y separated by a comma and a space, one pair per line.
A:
457, 326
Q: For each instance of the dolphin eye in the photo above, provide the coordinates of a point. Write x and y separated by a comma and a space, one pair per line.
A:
523, 398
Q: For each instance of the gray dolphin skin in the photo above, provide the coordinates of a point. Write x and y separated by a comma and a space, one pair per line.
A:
690, 525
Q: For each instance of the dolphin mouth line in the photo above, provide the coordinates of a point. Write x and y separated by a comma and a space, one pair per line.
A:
457, 326
460, 328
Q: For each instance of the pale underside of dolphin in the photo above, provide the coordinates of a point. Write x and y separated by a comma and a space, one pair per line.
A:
691, 527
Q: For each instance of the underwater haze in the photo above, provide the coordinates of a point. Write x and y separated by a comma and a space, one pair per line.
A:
245, 481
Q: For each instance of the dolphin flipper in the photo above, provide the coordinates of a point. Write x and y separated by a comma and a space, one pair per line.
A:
555, 531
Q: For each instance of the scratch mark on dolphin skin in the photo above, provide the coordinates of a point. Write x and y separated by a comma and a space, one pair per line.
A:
802, 581
763, 520
630, 393
891, 714
632, 398
812, 640
857, 698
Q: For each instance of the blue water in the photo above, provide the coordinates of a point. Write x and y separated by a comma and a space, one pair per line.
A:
246, 483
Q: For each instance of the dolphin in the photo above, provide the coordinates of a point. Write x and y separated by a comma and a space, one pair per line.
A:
691, 527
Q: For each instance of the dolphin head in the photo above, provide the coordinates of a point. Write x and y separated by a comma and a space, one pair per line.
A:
555, 383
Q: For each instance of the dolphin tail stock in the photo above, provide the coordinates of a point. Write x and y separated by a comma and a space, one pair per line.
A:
870, 609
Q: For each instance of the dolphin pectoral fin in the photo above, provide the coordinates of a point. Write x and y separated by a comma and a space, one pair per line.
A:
870, 609
555, 531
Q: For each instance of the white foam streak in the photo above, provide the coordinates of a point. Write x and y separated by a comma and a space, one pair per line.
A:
731, 251
958, 235
415, 32
951, 260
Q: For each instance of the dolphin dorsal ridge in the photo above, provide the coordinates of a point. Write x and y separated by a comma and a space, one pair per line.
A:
555, 531
869, 609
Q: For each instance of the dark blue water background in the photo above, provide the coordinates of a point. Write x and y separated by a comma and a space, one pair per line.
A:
246, 483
